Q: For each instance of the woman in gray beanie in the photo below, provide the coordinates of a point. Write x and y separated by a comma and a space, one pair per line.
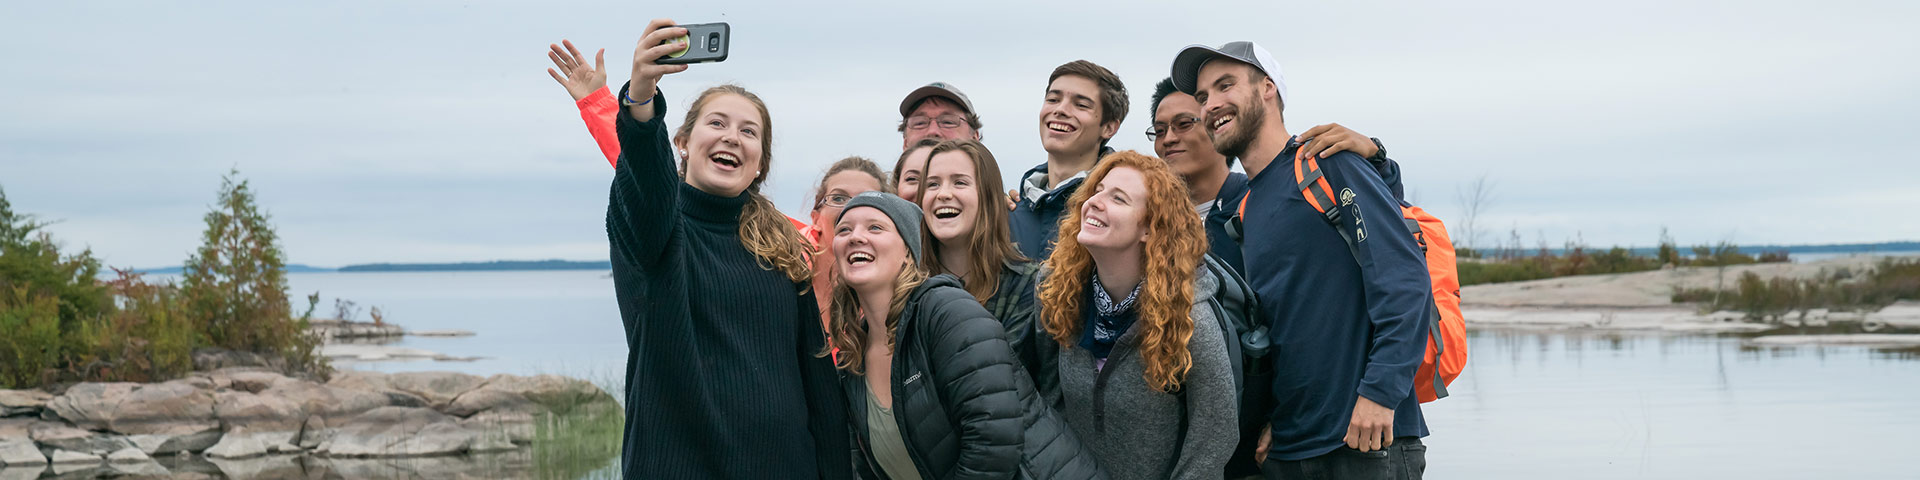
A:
932, 388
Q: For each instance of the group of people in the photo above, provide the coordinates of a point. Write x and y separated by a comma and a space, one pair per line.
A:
932, 321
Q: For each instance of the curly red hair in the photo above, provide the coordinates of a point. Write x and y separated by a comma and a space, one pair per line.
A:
1175, 236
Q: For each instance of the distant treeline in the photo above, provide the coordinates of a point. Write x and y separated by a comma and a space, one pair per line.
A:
480, 266
1791, 249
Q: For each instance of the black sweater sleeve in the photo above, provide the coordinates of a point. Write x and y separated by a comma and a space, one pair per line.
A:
646, 188
974, 368
826, 402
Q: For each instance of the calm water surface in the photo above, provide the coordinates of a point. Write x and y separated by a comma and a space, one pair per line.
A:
1531, 405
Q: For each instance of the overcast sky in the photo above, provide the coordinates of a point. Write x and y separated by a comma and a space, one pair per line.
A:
429, 131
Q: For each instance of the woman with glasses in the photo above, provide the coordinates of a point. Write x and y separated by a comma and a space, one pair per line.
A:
848, 177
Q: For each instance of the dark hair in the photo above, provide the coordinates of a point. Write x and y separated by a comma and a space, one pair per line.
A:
1113, 94
901, 164
972, 119
991, 243
1160, 92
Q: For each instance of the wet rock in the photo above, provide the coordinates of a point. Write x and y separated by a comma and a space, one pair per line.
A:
401, 432
60, 456
270, 466
314, 433
486, 399
515, 427
62, 437
168, 444
438, 388
23, 402
17, 452
319, 399
238, 444
22, 472
128, 455
91, 405
271, 419
551, 391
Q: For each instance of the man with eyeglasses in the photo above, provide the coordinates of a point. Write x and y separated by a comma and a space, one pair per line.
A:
937, 110
1216, 190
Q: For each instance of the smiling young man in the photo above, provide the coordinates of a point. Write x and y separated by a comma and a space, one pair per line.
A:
1348, 328
1080, 112
1215, 189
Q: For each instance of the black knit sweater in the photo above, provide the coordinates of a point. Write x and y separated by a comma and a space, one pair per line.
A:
722, 381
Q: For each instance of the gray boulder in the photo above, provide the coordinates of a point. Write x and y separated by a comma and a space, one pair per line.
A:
69, 457
23, 402
514, 427
61, 437
128, 455
487, 399
19, 452
401, 432
238, 444
438, 388
272, 419
91, 406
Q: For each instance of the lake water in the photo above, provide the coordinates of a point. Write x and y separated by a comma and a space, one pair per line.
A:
1531, 404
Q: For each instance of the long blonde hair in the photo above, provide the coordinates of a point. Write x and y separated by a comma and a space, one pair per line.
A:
763, 229
847, 331
990, 245
1175, 241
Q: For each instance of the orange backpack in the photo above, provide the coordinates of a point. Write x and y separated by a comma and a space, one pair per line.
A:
1447, 340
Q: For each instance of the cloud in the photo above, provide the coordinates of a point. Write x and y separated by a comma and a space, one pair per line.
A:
378, 131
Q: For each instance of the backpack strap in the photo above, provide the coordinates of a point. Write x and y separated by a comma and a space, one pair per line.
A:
1312, 183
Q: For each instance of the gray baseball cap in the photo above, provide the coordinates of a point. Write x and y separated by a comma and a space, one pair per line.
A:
935, 89
905, 216
1186, 65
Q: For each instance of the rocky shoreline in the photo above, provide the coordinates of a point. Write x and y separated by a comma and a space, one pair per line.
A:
236, 414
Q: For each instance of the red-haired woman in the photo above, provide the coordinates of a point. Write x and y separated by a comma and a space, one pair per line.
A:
1143, 367
712, 282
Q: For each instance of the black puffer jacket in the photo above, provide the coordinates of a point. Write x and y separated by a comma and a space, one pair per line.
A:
964, 408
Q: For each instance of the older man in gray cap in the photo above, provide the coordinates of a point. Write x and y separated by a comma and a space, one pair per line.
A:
1353, 328
937, 110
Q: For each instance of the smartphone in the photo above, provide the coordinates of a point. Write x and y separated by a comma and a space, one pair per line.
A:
706, 42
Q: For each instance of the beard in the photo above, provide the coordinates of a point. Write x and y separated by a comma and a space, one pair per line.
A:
1235, 144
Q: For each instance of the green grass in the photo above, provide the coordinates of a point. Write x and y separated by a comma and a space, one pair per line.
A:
1891, 280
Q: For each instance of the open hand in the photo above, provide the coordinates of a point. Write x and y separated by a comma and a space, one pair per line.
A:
646, 74
1325, 140
580, 79
1371, 428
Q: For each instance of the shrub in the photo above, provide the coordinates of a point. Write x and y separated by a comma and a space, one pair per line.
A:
235, 285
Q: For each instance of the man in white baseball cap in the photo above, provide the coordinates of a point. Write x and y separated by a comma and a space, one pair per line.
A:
1353, 327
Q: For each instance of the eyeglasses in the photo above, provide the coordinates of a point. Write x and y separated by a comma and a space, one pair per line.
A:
1180, 125
948, 122
836, 200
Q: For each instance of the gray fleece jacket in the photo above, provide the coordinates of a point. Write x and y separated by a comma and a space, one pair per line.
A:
1135, 431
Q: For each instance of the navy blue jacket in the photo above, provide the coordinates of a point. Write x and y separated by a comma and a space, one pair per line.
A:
1036, 225
1341, 329
1227, 204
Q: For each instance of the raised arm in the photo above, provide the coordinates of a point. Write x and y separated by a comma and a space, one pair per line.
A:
974, 370
1332, 138
644, 207
587, 84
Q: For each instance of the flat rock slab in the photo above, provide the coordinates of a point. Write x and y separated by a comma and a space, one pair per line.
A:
1602, 318
23, 402
440, 333
1861, 339
20, 452
385, 353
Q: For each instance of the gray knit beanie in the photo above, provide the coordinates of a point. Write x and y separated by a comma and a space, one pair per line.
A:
905, 216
